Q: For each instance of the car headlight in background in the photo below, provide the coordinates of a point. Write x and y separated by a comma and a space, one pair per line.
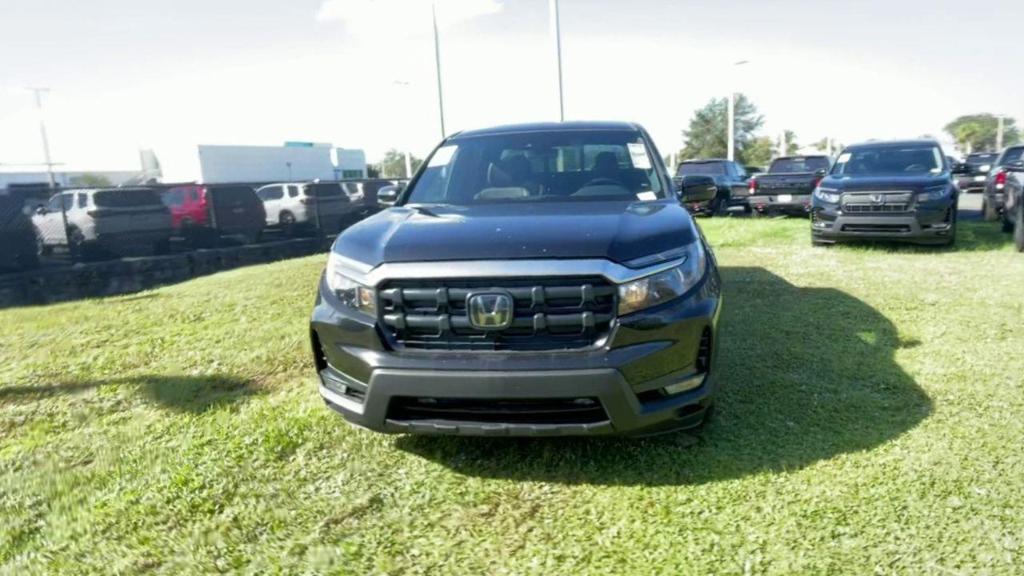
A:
664, 286
934, 193
829, 195
350, 292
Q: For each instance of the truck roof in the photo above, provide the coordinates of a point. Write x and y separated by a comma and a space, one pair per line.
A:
911, 142
545, 127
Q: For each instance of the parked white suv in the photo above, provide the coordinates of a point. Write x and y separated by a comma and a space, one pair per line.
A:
120, 220
325, 205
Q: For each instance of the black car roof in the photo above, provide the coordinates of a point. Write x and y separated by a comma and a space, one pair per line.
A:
703, 160
887, 143
545, 127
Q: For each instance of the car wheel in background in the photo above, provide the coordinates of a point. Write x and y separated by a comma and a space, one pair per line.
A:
287, 221
77, 246
719, 206
988, 211
1007, 222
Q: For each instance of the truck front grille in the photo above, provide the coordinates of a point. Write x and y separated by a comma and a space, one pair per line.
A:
547, 314
876, 202
511, 411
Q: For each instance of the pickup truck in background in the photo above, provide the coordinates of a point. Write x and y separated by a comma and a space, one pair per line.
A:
788, 185
730, 177
975, 171
994, 199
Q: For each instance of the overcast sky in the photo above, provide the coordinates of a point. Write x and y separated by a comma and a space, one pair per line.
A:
171, 74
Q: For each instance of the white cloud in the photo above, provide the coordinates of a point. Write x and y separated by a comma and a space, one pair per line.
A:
395, 17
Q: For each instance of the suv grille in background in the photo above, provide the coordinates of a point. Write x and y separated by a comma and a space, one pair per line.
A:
541, 411
549, 314
876, 202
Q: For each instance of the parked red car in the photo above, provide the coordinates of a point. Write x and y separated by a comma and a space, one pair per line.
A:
202, 214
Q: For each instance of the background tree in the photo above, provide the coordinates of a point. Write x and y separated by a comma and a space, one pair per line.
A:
706, 136
759, 152
977, 132
790, 148
90, 181
393, 164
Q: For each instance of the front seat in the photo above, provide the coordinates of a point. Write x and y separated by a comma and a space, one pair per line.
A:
508, 178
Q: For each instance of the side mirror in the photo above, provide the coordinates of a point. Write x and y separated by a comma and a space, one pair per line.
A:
1017, 166
388, 195
820, 172
694, 188
40, 210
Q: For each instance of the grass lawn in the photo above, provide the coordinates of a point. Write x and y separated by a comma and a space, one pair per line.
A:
871, 421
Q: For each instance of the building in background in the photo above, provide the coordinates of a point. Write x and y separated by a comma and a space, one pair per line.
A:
294, 161
148, 171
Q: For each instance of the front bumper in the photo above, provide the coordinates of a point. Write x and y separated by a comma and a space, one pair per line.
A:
795, 204
924, 225
643, 379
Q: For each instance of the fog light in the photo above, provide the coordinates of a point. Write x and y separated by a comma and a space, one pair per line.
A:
688, 384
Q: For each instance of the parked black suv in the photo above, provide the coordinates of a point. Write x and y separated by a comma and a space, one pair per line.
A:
730, 177
899, 190
537, 279
975, 171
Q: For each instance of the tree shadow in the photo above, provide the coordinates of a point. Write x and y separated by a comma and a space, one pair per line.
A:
806, 374
195, 394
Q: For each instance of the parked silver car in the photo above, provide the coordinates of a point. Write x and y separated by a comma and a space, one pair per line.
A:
117, 220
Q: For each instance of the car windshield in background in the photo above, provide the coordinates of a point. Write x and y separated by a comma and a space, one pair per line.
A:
126, 197
538, 167
798, 165
1012, 155
701, 169
975, 160
890, 160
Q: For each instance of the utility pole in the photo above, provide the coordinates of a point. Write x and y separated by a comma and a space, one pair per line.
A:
38, 92
556, 32
731, 144
408, 164
437, 62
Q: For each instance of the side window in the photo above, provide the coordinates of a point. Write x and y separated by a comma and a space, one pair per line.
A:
741, 171
69, 201
271, 193
293, 191
83, 200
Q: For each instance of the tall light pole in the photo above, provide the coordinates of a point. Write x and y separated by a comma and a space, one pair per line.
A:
999, 134
42, 131
556, 33
437, 62
731, 144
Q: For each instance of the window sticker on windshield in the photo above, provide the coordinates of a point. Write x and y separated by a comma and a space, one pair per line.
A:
844, 158
646, 196
638, 154
443, 156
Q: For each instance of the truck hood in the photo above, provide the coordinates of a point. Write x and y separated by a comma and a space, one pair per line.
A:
617, 231
896, 182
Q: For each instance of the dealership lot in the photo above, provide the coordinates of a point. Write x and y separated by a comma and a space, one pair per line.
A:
869, 422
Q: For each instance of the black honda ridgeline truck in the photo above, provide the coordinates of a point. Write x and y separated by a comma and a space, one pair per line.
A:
892, 191
530, 280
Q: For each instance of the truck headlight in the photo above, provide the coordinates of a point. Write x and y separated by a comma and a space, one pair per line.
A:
350, 292
664, 286
829, 195
934, 193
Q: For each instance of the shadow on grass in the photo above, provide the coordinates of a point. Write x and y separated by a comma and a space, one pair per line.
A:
970, 237
184, 393
807, 374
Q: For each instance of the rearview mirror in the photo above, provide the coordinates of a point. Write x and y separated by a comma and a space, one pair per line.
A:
693, 188
388, 195
820, 172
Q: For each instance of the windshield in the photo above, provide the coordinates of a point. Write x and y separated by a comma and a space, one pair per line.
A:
890, 160
701, 168
540, 166
981, 159
798, 165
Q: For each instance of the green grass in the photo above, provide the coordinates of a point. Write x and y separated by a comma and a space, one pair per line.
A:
870, 422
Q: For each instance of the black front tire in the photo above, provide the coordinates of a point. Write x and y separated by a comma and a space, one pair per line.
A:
1018, 229
988, 211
